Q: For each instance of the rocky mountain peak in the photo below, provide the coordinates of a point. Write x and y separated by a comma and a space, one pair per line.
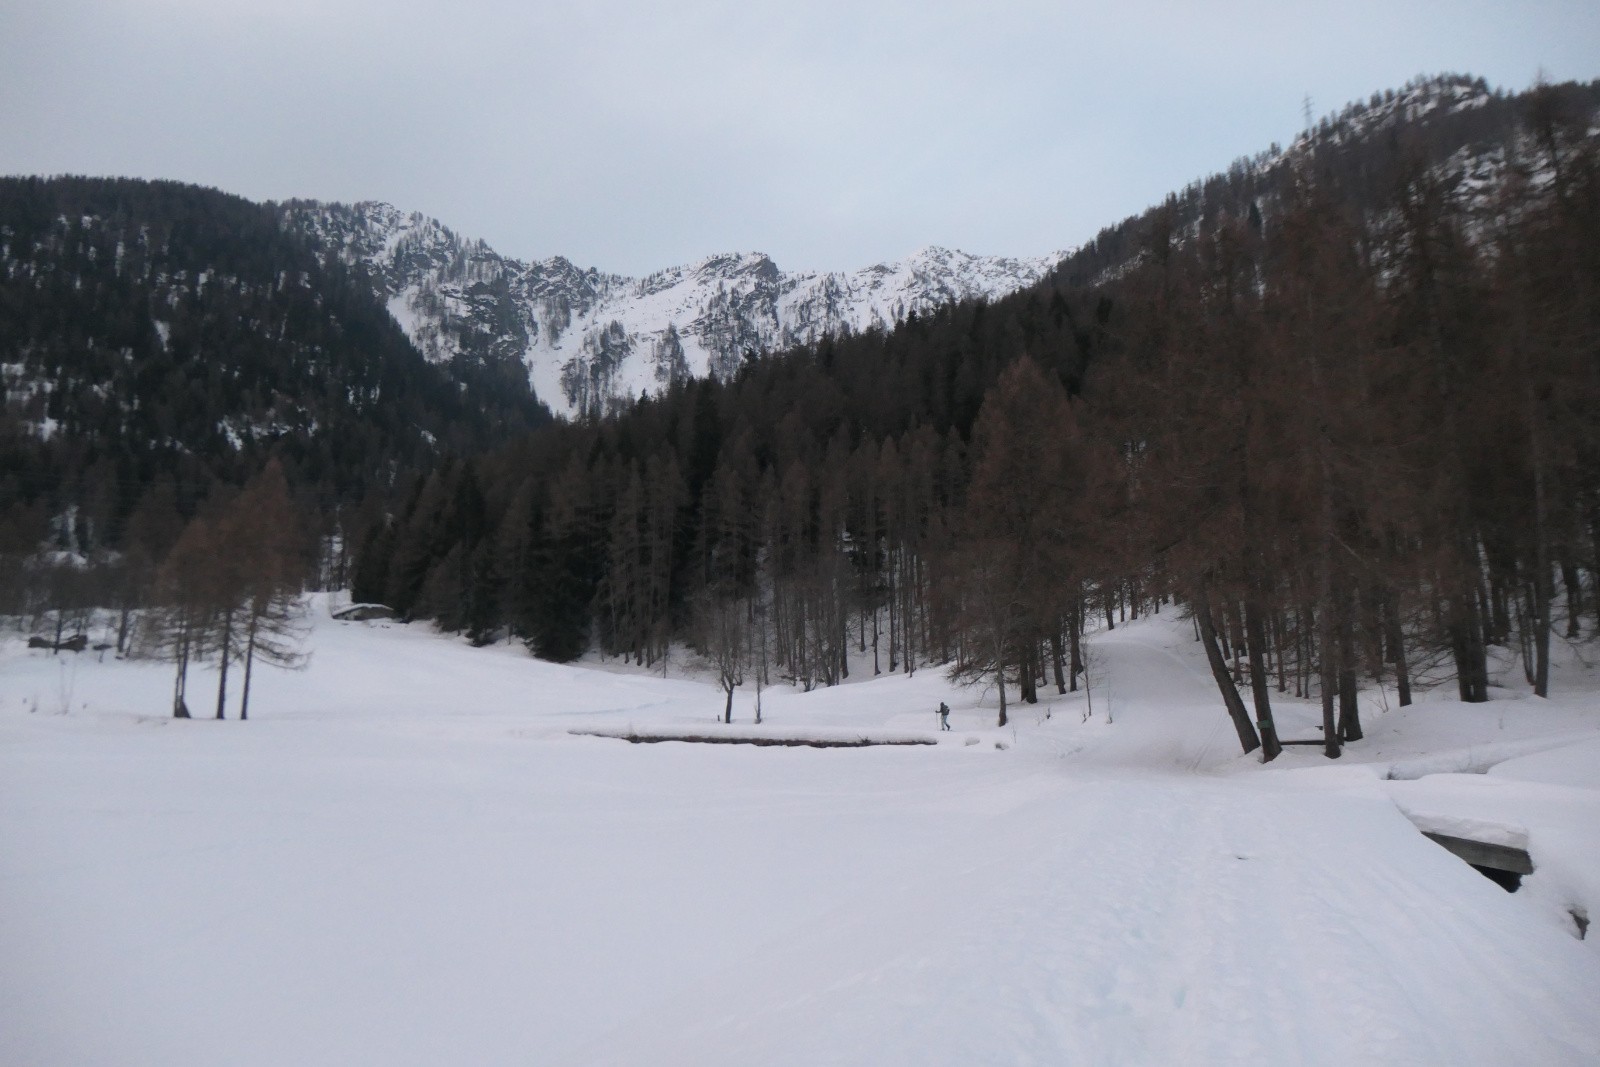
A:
589, 339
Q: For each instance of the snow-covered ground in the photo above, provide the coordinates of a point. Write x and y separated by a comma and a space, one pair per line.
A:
405, 857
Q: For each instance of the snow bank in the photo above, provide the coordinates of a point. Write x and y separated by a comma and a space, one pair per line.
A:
1477, 759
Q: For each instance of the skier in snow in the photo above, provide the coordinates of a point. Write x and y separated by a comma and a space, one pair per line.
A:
944, 715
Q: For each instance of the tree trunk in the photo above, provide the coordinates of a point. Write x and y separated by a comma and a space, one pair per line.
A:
1277, 634
1542, 592
1055, 659
1397, 651
1302, 659
1256, 639
1541, 633
1000, 684
1574, 586
249, 662
1328, 682
225, 640
1497, 609
1075, 643
876, 670
1349, 704
1234, 628
1230, 694
180, 684
844, 646
1467, 649
893, 648
1594, 560
125, 619
1525, 614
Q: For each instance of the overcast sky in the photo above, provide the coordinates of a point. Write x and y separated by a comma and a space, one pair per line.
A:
632, 136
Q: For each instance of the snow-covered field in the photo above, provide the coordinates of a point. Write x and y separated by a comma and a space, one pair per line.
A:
405, 857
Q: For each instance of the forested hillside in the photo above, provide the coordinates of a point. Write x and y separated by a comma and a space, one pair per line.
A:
160, 340
1353, 425
1468, 134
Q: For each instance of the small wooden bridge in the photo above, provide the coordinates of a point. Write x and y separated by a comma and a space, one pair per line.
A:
1502, 864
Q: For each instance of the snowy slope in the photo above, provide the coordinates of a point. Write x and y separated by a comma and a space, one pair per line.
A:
1418, 101
406, 858
589, 338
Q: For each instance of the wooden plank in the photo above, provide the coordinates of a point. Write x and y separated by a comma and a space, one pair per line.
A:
1482, 854
759, 740
764, 742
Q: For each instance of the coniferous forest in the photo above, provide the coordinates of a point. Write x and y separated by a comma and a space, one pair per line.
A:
1341, 407
162, 341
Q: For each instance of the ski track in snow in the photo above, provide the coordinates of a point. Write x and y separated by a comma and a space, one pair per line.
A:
405, 859
1153, 925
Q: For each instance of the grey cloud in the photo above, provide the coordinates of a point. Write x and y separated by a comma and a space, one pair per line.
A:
631, 135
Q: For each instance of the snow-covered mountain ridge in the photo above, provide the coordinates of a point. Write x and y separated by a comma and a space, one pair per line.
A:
589, 338
1471, 140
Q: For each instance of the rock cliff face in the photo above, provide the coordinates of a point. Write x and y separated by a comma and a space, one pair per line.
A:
588, 338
